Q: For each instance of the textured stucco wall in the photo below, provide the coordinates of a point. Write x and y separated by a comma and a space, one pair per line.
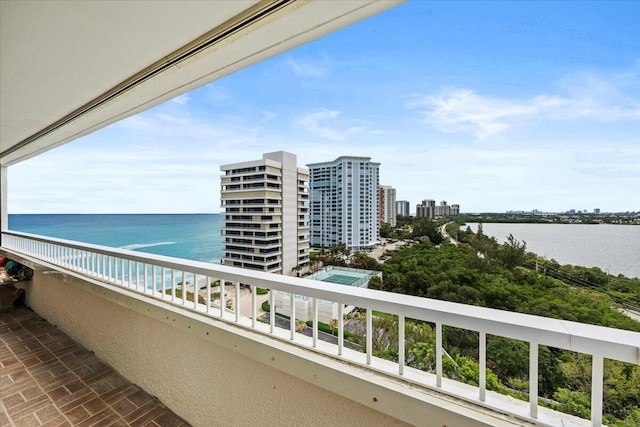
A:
199, 380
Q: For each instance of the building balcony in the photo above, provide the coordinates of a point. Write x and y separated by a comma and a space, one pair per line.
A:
240, 249
246, 189
255, 243
238, 226
123, 306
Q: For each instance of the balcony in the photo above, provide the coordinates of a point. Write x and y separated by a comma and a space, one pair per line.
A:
123, 306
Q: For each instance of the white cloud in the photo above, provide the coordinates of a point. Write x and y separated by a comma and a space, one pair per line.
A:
267, 116
603, 163
309, 68
456, 110
585, 97
181, 99
325, 124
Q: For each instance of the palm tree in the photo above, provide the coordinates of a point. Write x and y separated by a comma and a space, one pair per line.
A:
297, 269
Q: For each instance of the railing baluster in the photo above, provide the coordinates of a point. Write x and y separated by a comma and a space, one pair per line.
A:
400, 345
184, 288
237, 302
137, 264
340, 328
254, 302
208, 300
272, 311
144, 278
222, 297
129, 282
173, 285
533, 379
597, 375
439, 354
369, 335
292, 319
482, 355
196, 291
163, 282
154, 279
314, 301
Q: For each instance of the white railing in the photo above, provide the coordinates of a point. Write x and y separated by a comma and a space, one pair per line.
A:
159, 277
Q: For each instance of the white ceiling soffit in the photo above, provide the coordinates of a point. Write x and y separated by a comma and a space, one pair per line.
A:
69, 68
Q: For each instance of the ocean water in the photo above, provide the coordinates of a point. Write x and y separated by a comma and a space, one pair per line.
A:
190, 236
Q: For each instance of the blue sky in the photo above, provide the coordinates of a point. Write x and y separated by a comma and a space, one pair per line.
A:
492, 105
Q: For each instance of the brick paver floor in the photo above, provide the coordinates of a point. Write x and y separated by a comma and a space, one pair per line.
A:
47, 379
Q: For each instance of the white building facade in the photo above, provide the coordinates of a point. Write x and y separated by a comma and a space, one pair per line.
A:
344, 203
266, 205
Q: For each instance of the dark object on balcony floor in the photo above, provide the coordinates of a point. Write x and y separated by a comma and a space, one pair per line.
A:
9, 297
48, 379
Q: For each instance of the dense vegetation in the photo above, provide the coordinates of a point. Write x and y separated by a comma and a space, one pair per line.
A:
482, 272
577, 218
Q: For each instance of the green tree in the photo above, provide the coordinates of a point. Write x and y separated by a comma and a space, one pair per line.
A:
375, 283
385, 230
512, 252
424, 227
364, 261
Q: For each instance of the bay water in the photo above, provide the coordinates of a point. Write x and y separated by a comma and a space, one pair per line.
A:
611, 247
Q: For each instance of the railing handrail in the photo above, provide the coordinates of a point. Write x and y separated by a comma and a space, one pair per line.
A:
595, 340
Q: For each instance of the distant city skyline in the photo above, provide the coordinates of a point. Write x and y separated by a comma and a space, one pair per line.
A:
496, 105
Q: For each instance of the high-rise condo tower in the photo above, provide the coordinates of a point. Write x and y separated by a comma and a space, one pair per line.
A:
344, 202
386, 205
266, 205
